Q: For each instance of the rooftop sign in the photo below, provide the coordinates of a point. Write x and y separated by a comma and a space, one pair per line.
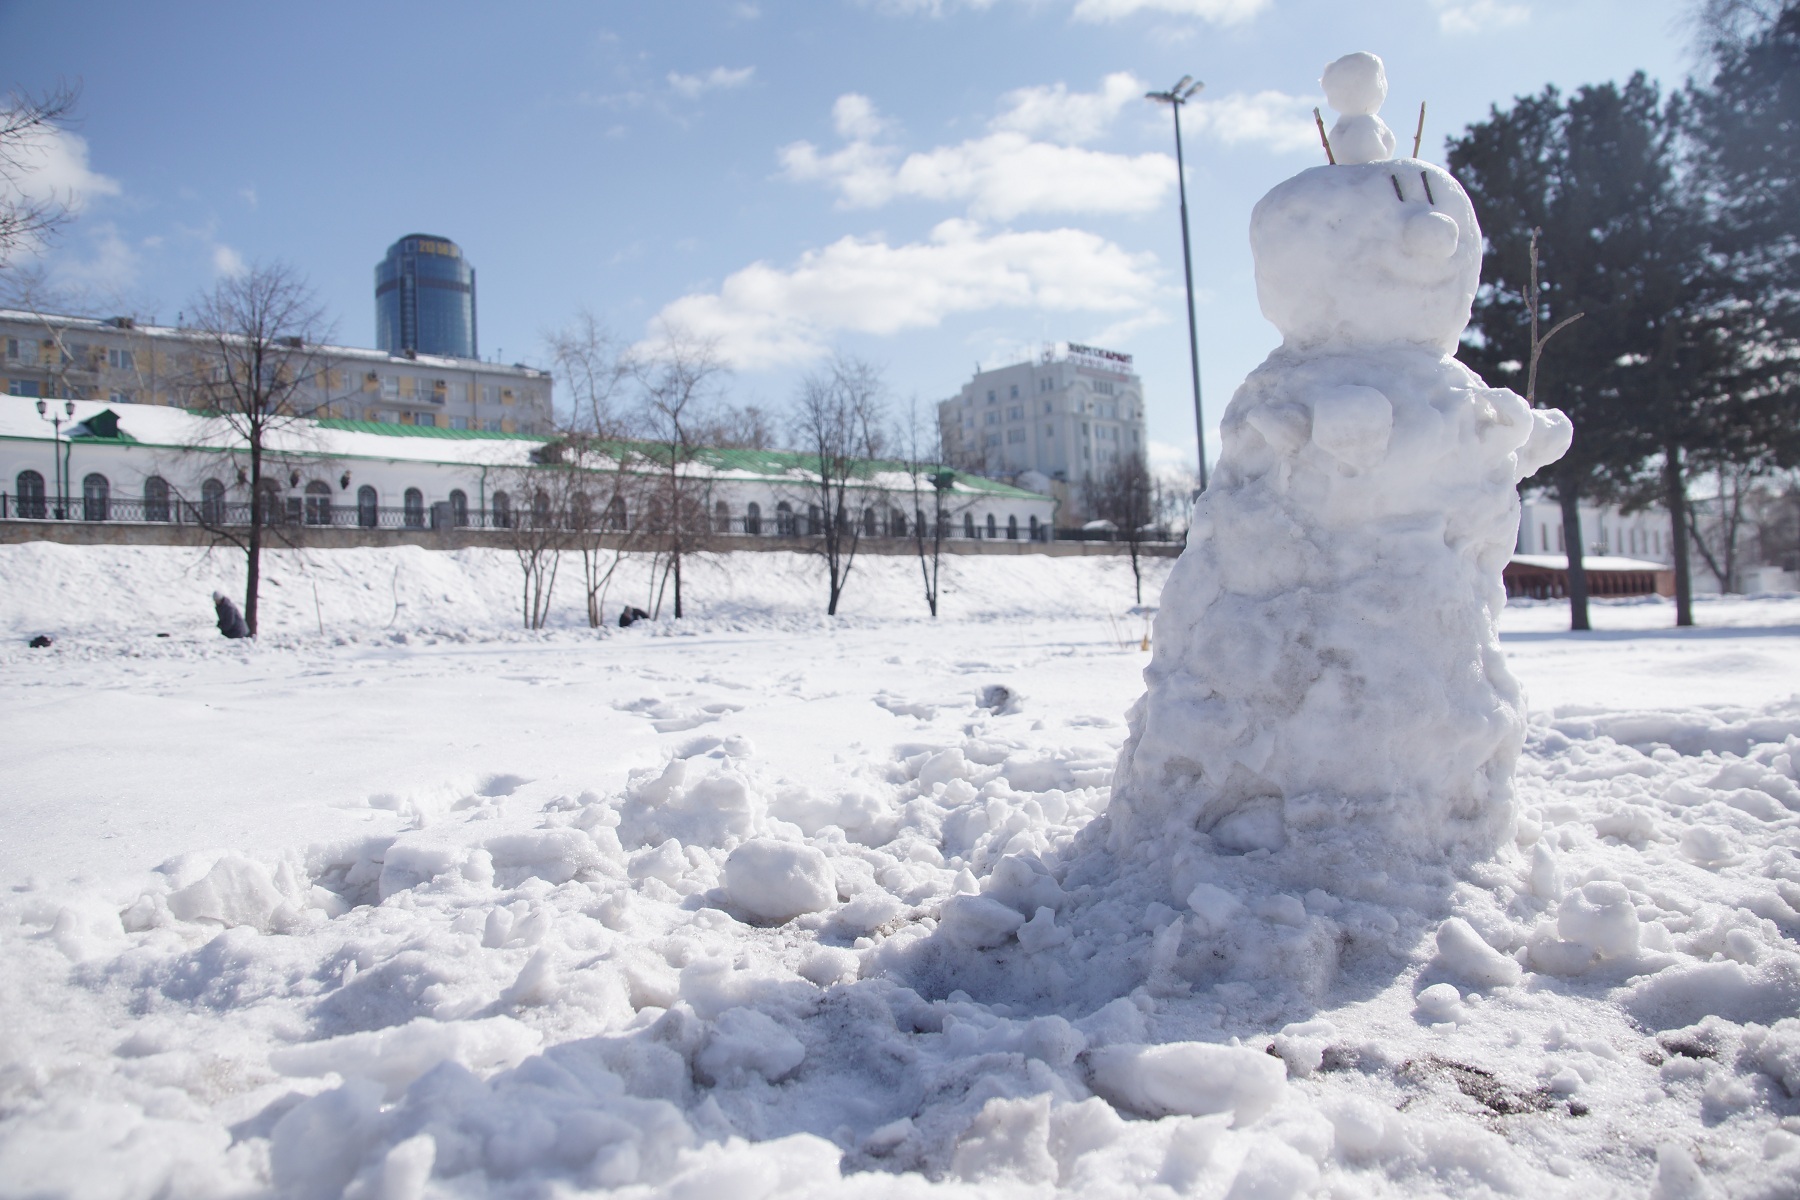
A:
1077, 350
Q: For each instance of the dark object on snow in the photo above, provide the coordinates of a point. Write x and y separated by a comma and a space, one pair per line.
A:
40, 641
630, 615
231, 621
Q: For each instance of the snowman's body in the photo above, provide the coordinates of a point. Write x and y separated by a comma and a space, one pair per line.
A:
1327, 684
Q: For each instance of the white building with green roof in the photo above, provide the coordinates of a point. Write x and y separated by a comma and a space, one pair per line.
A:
118, 463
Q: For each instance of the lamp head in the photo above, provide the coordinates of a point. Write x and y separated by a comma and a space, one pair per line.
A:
41, 407
68, 408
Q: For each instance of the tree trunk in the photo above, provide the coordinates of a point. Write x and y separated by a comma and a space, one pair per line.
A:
1137, 574
253, 551
677, 560
1675, 500
1570, 500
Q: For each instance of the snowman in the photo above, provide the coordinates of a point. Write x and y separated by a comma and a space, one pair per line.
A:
1327, 690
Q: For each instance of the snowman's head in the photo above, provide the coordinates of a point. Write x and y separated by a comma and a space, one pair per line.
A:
1367, 254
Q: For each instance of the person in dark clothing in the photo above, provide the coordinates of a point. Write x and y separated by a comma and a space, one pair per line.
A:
231, 621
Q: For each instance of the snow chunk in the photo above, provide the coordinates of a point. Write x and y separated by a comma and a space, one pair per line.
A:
1462, 952
237, 891
978, 922
1189, 1078
778, 881
395, 1057
747, 1042
1601, 917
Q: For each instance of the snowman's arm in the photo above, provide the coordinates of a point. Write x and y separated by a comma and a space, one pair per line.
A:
1551, 433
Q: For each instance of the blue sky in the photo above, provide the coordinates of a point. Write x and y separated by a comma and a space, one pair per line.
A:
927, 184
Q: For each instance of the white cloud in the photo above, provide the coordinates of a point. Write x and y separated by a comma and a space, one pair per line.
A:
717, 79
765, 315
1274, 120
248, 195
1218, 12
50, 166
1479, 16
1065, 116
1001, 175
110, 267
227, 261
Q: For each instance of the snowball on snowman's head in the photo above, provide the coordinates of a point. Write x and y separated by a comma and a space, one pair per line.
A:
1369, 254
1355, 86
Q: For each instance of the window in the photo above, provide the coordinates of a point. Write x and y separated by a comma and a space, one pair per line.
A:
502, 511
753, 518
815, 520
440, 390
30, 487
96, 498
368, 511
968, 525
1012, 528
1103, 387
318, 502
993, 526
156, 498
1015, 436
869, 523
615, 513
1035, 529
1015, 412
992, 439
1049, 406
122, 396
784, 520
120, 360
23, 387
12, 351
413, 504
993, 418
212, 502
540, 509
390, 387
991, 396
721, 517
424, 418
969, 421
459, 508
1015, 392
1046, 383
459, 422
897, 523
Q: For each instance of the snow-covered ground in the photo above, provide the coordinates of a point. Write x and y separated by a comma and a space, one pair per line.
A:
424, 905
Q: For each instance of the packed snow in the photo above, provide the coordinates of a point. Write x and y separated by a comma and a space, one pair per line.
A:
427, 906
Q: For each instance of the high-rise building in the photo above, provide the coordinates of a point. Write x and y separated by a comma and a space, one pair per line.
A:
425, 298
1069, 416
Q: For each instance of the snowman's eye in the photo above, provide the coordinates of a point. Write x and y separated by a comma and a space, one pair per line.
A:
1395, 180
1425, 179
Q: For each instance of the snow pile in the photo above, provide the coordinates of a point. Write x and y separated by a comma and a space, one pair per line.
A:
1328, 687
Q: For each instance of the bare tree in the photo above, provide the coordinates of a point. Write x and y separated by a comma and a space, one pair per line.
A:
932, 488
257, 365
677, 383
1125, 494
595, 370
838, 419
740, 428
605, 487
530, 510
26, 123
1717, 526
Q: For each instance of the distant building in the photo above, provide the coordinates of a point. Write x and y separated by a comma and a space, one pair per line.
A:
120, 361
1066, 416
425, 298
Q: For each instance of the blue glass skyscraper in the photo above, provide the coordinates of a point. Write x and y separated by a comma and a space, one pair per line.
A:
425, 298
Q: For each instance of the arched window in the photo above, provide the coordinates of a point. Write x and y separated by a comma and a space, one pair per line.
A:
502, 511
1012, 528
459, 508
268, 501
919, 519
540, 509
581, 511
413, 505
753, 518
368, 507
318, 502
784, 519
968, 525
615, 513
212, 502
721, 517
993, 527
653, 514
868, 523
156, 498
896, 523
815, 520
1034, 527
31, 495
96, 498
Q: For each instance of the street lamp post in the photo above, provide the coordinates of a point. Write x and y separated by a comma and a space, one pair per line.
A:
56, 420
1175, 97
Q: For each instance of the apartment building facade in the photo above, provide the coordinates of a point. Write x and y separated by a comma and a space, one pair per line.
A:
1067, 415
122, 361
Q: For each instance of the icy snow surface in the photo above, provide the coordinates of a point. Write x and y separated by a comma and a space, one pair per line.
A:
427, 907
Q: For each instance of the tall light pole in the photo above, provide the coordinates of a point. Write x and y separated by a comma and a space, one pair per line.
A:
56, 421
1175, 97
